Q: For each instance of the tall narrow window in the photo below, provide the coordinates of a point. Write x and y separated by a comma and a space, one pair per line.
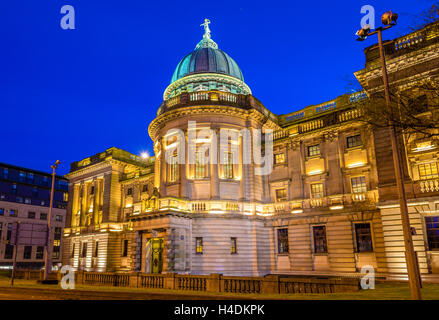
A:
200, 165
428, 171
199, 245
96, 251
173, 167
432, 225
364, 237
282, 240
233, 246
73, 251
9, 251
359, 184
84, 250
27, 253
319, 237
40, 253
125, 248
228, 165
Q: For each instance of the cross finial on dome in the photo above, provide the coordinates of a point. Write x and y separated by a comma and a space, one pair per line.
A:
207, 41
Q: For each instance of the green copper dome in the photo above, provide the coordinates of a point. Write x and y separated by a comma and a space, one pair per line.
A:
207, 60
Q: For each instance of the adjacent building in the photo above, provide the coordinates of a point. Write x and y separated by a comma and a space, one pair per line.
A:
24, 202
329, 205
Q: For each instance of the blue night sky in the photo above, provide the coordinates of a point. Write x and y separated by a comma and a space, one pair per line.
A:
69, 94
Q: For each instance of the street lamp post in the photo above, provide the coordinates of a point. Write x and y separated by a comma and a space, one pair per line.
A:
47, 257
389, 20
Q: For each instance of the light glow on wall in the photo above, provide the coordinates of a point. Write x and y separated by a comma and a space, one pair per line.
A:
297, 211
315, 172
356, 165
339, 207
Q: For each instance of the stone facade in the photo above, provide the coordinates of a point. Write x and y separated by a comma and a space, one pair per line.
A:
329, 204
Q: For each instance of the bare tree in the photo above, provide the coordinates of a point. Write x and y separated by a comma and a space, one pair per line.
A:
426, 17
413, 111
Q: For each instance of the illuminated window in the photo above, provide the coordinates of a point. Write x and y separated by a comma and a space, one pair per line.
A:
14, 189
125, 248
281, 195
57, 233
129, 191
319, 237
432, 225
282, 240
58, 218
173, 167
317, 190
199, 245
13, 212
428, 171
200, 165
233, 246
359, 184
363, 237
228, 165
314, 151
73, 251
31, 215
2, 212
27, 253
279, 158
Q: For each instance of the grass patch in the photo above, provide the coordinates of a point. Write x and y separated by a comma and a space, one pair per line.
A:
385, 291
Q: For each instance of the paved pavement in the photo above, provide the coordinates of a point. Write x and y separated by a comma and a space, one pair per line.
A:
19, 293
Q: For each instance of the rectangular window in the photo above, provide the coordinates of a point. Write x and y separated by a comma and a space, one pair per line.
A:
314, 151
84, 250
43, 216
2, 212
9, 233
92, 190
354, 141
279, 158
27, 253
200, 165
65, 197
228, 165
30, 177
40, 253
35, 192
145, 188
13, 212
281, 195
428, 171
56, 252
19, 199
364, 237
129, 191
58, 218
5, 173
125, 248
14, 189
96, 251
9, 251
359, 184
22, 176
57, 234
282, 240
233, 246
73, 251
432, 225
31, 215
317, 190
173, 168
319, 236
27, 200
199, 245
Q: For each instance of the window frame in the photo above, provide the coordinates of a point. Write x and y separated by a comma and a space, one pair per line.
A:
325, 242
313, 154
199, 246
356, 234
233, 245
427, 232
352, 141
282, 249
356, 189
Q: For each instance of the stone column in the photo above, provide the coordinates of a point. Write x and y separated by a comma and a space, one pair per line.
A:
242, 169
214, 178
162, 173
183, 171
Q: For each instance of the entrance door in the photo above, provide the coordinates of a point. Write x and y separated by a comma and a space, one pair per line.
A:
156, 255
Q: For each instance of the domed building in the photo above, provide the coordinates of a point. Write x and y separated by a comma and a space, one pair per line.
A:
310, 198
